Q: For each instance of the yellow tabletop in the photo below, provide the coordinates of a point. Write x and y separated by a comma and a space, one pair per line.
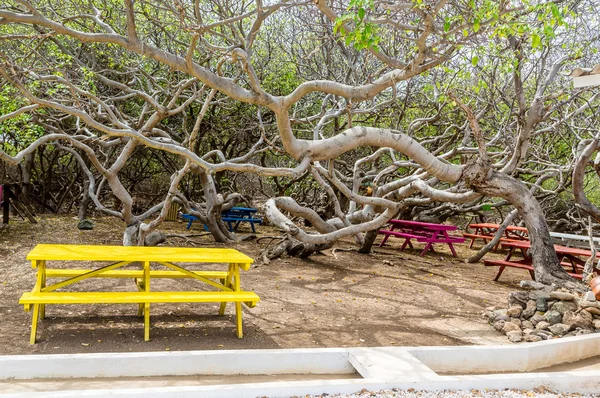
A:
137, 253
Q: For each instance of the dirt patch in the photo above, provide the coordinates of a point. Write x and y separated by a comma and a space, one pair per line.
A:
338, 299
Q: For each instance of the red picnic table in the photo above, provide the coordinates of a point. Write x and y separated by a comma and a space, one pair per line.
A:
486, 231
422, 232
569, 256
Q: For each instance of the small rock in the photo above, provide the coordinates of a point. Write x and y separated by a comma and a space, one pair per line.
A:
514, 311
529, 309
527, 325
388, 262
553, 317
532, 338
510, 327
541, 304
543, 335
581, 319
500, 315
559, 329
536, 318
596, 324
491, 309
588, 311
543, 325
488, 314
528, 331
499, 325
563, 296
514, 336
571, 334
537, 294
591, 310
589, 296
518, 299
564, 306
583, 331
516, 321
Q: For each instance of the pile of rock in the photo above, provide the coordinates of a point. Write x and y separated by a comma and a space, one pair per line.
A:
546, 313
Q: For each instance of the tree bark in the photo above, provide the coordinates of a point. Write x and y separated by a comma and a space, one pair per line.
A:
546, 266
370, 237
578, 180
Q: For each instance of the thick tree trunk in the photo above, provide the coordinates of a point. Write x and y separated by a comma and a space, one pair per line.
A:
578, 180
545, 262
370, 237
85, 200
214, 203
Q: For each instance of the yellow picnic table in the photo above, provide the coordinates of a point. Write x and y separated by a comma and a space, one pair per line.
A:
226, 283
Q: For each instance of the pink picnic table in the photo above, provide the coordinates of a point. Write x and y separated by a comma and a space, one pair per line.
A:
422, 232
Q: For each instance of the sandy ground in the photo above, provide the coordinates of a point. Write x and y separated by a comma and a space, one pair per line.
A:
337, 299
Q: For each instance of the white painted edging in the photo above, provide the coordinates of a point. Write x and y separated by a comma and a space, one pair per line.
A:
384, 367
176, 363
508, 358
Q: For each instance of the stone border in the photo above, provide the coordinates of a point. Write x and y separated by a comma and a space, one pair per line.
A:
381, 368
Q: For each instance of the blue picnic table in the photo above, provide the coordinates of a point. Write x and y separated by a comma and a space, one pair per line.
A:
233, 217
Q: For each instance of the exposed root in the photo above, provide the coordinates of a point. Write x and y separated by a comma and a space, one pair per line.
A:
187, 238
291, 247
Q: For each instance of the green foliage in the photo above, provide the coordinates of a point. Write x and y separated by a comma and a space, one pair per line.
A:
363, 34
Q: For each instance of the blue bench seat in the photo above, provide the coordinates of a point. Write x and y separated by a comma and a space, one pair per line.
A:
235, 215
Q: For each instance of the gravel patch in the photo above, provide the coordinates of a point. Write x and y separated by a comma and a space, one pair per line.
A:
540, 392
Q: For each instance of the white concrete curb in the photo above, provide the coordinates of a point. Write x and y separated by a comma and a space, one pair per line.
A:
383, 367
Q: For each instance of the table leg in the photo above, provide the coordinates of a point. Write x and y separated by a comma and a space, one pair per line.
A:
406, 242
511, 251
238, 305
386, 237
226, 283
189, 224
473, 239
146, 305
43, 306
499, 272
140, 287
41, 278
573, 260
449, 243
34, 323
429, 244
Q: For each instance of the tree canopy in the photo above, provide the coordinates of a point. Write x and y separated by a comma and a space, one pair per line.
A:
343, 113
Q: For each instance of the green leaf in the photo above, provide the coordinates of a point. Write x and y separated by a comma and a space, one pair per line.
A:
555, 11
535, 40
446, 26
475, 60
476, 25
361, 13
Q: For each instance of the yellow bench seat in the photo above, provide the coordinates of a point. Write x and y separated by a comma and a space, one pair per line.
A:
248, 298
133, 273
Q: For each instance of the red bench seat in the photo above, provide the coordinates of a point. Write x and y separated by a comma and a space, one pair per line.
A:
503, 264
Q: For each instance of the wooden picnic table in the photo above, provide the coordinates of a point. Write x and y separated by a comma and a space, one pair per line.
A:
571, 257
429, 233
226, 283
486, 231
235, 215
